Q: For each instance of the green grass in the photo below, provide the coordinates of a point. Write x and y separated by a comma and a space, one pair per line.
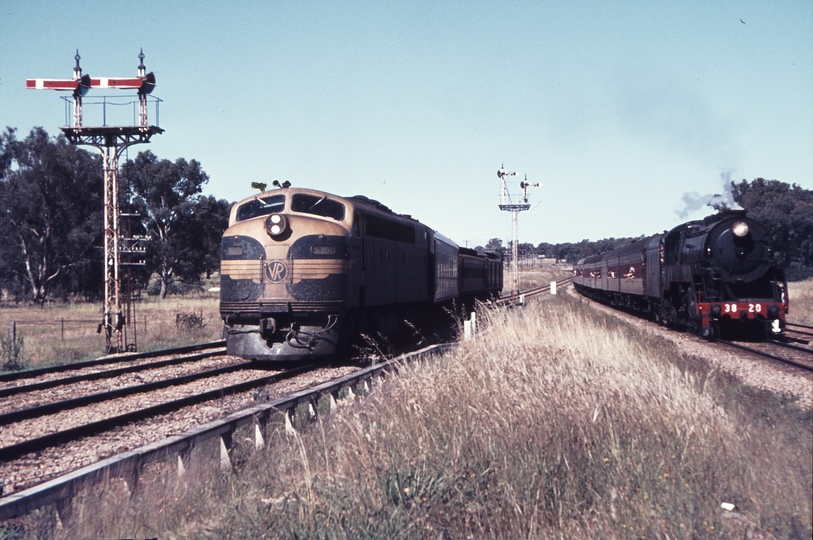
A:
559, 423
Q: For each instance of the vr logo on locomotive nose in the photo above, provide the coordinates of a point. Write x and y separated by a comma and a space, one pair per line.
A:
276, 271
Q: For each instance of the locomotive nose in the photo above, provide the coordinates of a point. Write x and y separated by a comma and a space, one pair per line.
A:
739, 251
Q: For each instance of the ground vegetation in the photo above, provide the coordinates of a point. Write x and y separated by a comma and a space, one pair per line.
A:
561, 422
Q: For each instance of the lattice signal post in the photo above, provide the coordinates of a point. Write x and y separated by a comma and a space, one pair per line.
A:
508, 205
111, 141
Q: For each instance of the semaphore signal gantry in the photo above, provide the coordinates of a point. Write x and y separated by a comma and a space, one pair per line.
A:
111, 141
508, 205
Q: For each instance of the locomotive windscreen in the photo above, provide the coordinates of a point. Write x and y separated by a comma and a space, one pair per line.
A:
318, 206
261, 206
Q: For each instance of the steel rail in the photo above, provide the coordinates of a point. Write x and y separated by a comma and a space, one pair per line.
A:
791, 346
799, 325
99, 397
513, 298
29, 373
802, 332
38, 444
110, 373
802, 365
128, 464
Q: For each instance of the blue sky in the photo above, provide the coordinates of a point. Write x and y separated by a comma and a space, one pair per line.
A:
618, 109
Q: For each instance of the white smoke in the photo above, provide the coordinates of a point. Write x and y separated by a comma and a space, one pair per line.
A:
695, 201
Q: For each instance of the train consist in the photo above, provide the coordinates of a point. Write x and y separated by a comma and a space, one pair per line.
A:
303, 272
710, 276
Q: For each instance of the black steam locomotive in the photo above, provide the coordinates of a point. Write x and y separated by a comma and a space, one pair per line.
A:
708, 276
303, 272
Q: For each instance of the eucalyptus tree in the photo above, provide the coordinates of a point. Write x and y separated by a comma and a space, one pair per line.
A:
181, 223
50, 214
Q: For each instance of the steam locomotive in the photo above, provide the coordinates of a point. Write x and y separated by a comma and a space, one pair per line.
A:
713, 276
303, 272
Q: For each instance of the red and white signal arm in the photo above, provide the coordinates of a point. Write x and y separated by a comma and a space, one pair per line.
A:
144, 85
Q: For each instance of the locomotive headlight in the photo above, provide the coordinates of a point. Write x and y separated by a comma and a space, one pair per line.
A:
276, 224
740, 229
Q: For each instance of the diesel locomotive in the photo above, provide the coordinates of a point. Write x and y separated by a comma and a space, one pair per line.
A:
303, 272
710, 276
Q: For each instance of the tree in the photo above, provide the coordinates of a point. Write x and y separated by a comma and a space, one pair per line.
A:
50, 199
181, 224
786, 210
495, 246
202, 225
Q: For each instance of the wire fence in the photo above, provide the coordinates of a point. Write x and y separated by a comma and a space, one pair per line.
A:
68, 328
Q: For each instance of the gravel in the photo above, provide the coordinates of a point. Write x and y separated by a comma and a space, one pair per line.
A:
752, 370
33, 469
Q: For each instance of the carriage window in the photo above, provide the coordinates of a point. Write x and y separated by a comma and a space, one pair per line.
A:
319, 206
261, 206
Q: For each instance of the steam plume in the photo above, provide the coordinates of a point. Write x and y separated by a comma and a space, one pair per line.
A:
695, 201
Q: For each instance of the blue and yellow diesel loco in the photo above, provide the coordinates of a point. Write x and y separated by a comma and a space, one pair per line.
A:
303, 272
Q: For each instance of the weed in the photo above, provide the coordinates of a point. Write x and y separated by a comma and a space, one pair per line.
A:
190, 321
11, 352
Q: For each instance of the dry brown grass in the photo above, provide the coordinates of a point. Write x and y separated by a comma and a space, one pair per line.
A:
531, 278
560, 423
801, 301
45, 341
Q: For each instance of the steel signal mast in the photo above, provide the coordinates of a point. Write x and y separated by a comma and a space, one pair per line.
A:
508, 205
111, 141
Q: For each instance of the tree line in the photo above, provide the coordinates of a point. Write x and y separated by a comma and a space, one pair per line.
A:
785, 209
51, 219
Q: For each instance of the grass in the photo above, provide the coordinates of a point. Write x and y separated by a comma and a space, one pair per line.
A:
531, 278
60, 333
801, 301
559, 423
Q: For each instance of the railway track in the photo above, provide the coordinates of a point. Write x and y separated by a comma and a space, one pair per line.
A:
802, 333
106, 360
787, 353
514, 299
33, 380
56, 488
34, 429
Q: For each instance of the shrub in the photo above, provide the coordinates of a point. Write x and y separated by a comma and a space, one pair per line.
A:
189, 321
11, 353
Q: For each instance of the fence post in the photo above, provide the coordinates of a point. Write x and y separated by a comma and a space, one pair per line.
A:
12, 331
63, 329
